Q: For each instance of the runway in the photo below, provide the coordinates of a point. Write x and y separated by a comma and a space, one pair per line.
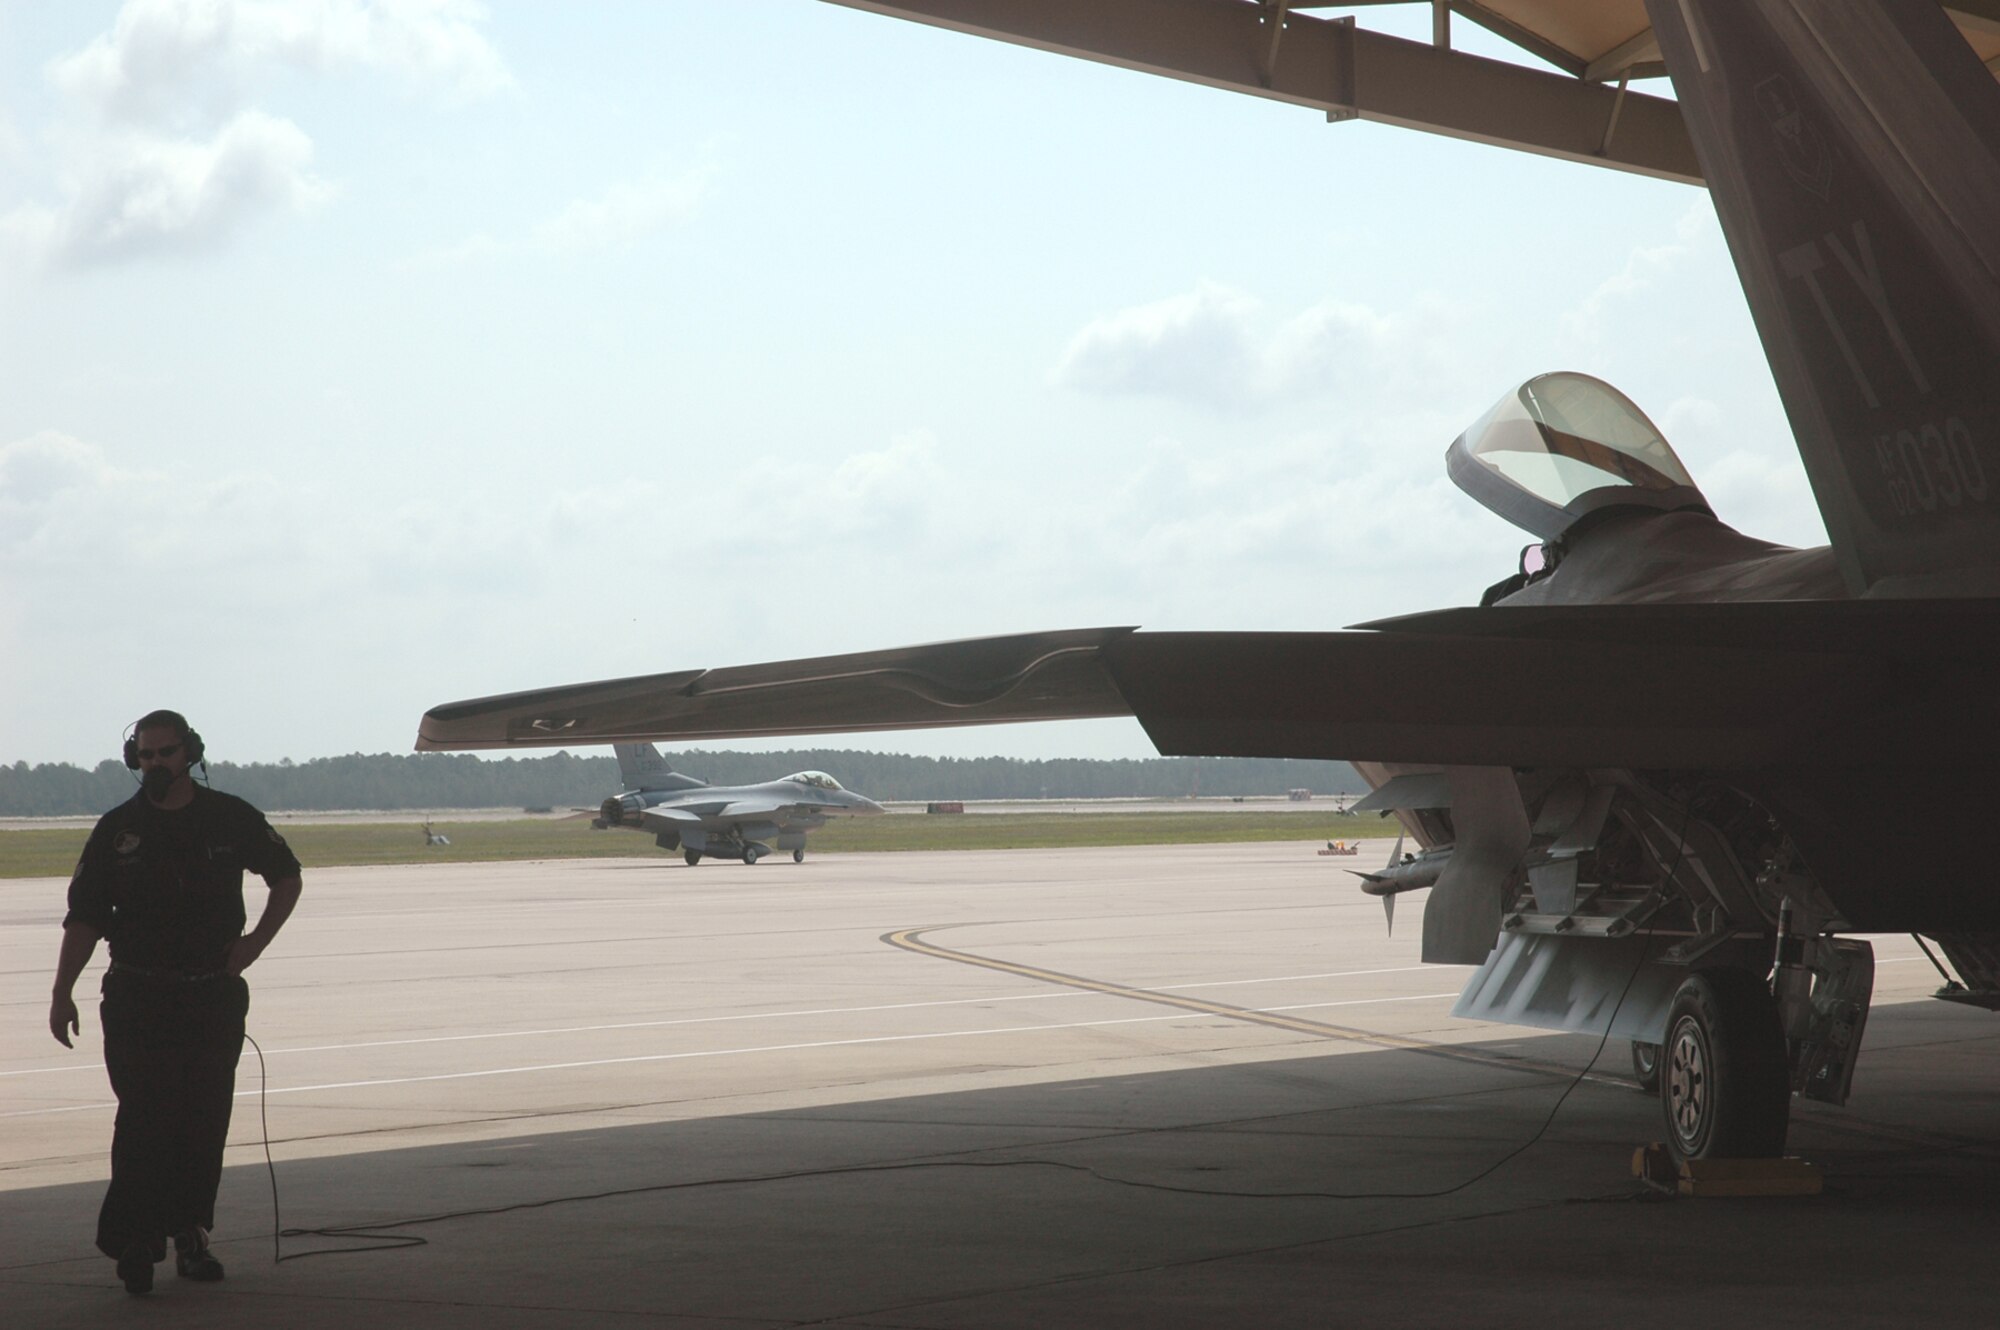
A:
1139, 1086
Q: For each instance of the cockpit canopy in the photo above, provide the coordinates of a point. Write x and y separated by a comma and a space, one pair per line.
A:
819, 778
1564, 445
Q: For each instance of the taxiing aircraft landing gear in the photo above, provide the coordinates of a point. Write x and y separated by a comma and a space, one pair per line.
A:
1725, 1081
799, 855
693, 857
751, 854
1646, 1066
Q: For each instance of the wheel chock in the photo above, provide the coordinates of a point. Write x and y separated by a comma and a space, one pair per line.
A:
1656, 1166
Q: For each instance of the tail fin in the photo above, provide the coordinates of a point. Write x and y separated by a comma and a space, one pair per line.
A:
1853, 152
641, 767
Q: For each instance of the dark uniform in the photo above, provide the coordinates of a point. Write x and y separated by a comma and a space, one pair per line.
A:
165, 888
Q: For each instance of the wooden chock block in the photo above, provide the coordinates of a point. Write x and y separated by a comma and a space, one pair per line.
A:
1656, 1166
1750, 1177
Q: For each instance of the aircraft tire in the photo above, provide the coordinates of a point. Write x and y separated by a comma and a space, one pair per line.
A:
1725, 1077
799, 855
751, 854
1646, 1066
693, 857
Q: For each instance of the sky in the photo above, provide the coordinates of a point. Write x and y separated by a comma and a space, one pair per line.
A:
358, 357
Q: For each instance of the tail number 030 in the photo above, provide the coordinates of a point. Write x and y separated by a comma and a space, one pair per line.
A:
1931, 465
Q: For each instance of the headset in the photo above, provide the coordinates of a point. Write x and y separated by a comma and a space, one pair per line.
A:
173, 720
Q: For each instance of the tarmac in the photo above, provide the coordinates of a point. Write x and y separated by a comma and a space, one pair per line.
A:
1158, 1087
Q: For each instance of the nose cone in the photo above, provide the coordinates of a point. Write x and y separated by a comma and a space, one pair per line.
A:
863, 804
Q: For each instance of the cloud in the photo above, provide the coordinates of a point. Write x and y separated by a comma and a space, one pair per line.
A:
624, 215
37, 474
893, 487
13, 148
1747, 467
1222, 348
1650, 269
161, 151
1198, 345
163, 58
1199, 539
74, 516
137, 194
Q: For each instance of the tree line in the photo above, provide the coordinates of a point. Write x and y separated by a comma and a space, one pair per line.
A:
391, 781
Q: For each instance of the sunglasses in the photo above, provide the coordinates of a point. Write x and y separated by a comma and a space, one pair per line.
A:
167, 750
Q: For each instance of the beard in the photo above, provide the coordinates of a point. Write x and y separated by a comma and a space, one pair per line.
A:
156, 782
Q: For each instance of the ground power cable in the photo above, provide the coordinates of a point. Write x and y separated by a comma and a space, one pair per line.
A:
375, 1237
1603, 1039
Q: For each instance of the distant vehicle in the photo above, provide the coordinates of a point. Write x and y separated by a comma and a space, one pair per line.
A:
724, 821
434, 837
945, 806
1299, 796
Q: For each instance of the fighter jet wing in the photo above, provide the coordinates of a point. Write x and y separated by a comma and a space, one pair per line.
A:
1490, 701
1897, 630
1646, 699
747, 808
981, 681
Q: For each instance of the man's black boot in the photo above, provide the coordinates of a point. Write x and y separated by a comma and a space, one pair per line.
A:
192, 1259
135, 1267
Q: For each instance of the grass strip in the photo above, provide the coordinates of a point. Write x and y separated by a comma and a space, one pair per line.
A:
53, 853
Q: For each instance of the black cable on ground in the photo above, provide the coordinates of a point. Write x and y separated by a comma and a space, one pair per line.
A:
385, 1241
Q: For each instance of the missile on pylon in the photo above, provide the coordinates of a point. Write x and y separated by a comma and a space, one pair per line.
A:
1403, 872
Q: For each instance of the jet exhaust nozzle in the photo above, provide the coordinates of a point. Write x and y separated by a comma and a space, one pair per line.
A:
619, 809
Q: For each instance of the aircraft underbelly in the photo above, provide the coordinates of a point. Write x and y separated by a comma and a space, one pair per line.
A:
1892, 847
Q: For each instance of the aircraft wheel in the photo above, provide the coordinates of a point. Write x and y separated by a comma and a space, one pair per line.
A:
799, 855
1725, 1079
1646, 1066
693, 857
750, 854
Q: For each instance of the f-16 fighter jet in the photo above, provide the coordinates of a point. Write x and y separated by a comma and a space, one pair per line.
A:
723, 821
1629, 770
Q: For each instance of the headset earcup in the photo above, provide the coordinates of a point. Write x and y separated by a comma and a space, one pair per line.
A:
132, 753
195, 751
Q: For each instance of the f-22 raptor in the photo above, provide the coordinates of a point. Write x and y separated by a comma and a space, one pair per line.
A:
1632, 768
723, 821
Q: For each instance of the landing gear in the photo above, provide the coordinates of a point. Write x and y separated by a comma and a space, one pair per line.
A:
751, 853
693, 857
1725, 1078
799, 855
1646, 1066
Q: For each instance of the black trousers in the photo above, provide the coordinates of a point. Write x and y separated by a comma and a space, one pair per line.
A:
171, 1047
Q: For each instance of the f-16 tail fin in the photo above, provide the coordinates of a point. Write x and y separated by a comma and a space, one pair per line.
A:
641, 767
1853, 153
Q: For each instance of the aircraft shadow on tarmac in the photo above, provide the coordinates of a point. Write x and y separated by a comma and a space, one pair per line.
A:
1119, 1200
